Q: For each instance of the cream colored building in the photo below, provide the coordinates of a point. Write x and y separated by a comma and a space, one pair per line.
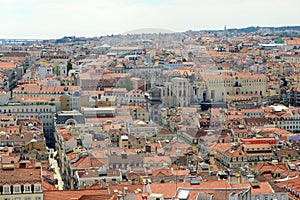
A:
215, 85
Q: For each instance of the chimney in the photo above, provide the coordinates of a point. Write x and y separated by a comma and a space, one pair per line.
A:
124, 155
144, 197
125, 190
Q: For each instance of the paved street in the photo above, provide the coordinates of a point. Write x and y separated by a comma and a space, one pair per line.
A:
54, 165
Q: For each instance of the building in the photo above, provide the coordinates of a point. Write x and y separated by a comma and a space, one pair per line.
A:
69, 118
65, 142
124, 160
246, 154
294, 96
135, 97
35, 90
89, 81
217, 84
88, 177
34, 108
261, 190
19, 183
4, 97
8, 76
175, 92
291, 44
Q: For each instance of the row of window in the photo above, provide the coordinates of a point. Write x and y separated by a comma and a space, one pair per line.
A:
289, 122
17, 189
291, 127
25, 198
25, 110
37, 92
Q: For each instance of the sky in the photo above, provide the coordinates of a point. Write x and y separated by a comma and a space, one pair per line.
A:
42, 19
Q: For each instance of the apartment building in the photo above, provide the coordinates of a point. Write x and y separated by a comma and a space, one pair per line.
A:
294, 96
35, 90
65, 142
34, 108
135, 97
240, 155
292, 43
21, 184
285, 118
8, 76
217, 84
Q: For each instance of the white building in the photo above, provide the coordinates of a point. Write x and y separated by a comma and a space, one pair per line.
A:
26, 110
4, 97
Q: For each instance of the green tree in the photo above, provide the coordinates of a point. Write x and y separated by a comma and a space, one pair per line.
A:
279, 40
57, 70
284, 103
69, 66
125, 82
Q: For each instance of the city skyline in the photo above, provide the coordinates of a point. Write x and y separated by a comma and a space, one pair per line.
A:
54, 19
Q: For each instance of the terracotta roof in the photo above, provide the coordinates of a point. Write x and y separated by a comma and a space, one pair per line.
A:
220, 146
48, 187
76, 194
45, 88
20, 175
87, 161
264, 188
65, 134
255, 146
294, 41
238, 152
7, 65
265, 166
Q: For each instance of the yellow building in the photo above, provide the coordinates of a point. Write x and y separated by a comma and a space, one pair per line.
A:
139, 113
67, 81
106, 101
123, 141
65, 102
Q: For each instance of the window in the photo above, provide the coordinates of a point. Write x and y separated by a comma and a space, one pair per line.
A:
17, 189
27, 198
27, 189
6, 189
37, 187
38, 198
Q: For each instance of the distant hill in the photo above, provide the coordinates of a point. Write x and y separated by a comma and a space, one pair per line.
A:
148, 30
256, 28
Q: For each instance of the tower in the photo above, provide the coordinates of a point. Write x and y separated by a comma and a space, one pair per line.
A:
225, 32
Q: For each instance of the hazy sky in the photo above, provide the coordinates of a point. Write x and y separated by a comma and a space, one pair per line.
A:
58, 18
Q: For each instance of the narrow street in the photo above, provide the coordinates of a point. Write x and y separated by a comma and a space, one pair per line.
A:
54, 165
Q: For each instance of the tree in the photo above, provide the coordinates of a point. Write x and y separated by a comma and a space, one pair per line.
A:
279, 40
57, 72
125, 82
69, 67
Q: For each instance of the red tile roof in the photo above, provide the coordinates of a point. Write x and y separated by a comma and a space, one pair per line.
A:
77, 194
